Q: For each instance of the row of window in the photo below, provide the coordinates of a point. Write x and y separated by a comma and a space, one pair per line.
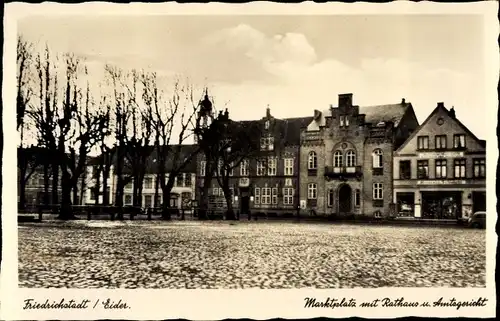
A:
264, 167
441, 168
182, 180
148, 199
378, 191
441, 141
269, 196
350, 159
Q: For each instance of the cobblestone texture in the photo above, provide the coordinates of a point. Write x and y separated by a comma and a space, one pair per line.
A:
247, 255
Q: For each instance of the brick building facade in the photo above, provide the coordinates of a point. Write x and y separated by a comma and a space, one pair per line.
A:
346, 157
440, 171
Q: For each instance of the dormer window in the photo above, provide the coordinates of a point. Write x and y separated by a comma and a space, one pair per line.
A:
346, 121
381, 124
266, 125
342, 120
267, 143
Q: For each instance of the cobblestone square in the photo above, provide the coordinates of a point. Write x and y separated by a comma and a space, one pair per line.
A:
209, 255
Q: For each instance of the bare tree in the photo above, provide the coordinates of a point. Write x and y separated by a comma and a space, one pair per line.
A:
177, 116
24, 89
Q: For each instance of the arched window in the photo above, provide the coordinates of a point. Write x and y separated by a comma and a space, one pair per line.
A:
377, 158
337, 159
312, 161
350, 158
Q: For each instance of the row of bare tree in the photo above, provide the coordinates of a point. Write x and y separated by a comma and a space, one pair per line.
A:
126, 119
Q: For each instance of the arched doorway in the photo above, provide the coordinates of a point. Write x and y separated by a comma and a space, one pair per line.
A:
345, 195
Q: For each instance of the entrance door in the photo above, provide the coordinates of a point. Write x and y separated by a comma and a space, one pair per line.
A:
478, 201
345, 195
244, 204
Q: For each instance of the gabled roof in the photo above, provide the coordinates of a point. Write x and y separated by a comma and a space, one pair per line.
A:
441, 106
385, 113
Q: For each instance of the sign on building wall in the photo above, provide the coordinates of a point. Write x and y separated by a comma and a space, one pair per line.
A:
440, 154
441, 182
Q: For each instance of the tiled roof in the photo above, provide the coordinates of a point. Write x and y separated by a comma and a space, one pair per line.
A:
384, 113
292, 129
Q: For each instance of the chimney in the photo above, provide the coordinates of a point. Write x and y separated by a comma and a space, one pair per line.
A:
452, 112
317, 115
345, 100
403, 101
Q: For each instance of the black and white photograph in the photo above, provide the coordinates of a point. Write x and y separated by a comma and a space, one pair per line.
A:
252, 151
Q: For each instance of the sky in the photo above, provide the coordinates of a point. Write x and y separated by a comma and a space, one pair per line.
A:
293, 64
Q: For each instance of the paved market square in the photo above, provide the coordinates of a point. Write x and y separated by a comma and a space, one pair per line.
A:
208, 255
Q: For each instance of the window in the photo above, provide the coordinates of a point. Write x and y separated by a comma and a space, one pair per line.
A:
346, 121
288, 166
350, 158
231, 169
271, 168
187, 179
266, 196
312, 191
423, 169
148, 183
479, 167
342, 119
377, 214
423, 142
405, 169
267, 124
459, 141
288, 196
203, 166
267, 143
220, 167
128, 185
260, 168
337, 159
148, 201
215, 191
93, 193
40, 181
330, 198
378, 192
357, 198
275, 195
288, 182
440, 141
186, 199
378, 158
312, 161
440, 168
158, 200
179, 180
257, 195
244, 167
128, 199
459, 168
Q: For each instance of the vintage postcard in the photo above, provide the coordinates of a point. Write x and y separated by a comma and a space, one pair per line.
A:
265, 160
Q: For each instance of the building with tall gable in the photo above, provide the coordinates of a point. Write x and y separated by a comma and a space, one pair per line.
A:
269, 182
346, 157
440, 171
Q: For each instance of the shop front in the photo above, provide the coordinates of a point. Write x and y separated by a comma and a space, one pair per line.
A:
441, 205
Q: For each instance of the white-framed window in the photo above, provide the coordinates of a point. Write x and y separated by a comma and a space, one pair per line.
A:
330, 197
271, 168
148, 182
203, 166
148, 200
288, 166
346, 121
266, 196
267, 142
288, 182
215, 191
378, 191
378, 158
244, 167
267, 124
260, 168
288, 196
275, 195
342, 121
128, 199
257, 195
337, 158
357, 198
350, 158
312, 160
231, 169
312, 191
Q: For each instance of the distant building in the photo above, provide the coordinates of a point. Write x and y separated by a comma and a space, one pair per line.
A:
268, 182
440, 171
346, 157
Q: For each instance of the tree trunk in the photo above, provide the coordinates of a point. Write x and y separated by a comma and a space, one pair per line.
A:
66, 210
165, 213
46, 183
139, 190
229, 202
203, 211
105, 194
55, 183
97, 186
135, 191
157, 192
74, 189
22, 191
82, 187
